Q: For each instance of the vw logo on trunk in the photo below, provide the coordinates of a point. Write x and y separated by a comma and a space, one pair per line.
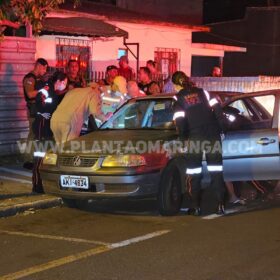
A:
77, 161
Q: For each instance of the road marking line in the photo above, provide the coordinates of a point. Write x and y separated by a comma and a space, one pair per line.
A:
15, 180
80, 256
18, 172
53, 237
138, 239
211, 217
55, 263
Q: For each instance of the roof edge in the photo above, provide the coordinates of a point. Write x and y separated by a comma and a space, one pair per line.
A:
196, 28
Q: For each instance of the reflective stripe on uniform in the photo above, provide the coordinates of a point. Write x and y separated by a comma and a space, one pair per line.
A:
39, 154
111, 99
192, 171
213, 168
44, 92
213, 102
207, 94
231, 118
175, 97
180, 114
48, 100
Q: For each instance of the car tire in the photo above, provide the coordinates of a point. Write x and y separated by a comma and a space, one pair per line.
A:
170, 191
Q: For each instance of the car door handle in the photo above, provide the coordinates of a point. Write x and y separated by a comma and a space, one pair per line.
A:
266, 141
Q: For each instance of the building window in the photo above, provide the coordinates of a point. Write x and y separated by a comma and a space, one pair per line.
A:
122, 52
77, 49
167, 60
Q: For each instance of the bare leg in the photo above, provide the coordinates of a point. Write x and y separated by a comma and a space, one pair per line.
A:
232, 196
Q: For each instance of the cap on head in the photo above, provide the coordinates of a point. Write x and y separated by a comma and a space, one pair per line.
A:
111, 67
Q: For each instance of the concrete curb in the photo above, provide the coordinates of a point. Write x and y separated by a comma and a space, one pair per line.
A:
39, 204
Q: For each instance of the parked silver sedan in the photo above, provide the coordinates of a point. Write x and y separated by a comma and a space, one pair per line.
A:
136, 153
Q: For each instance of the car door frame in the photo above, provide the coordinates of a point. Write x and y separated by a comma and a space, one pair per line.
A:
254, 167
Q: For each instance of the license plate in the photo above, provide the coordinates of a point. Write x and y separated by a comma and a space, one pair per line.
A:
75, 182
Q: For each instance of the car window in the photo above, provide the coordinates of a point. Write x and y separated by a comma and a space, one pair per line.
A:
146, 113
250, 113
266, 105
243, 109
161, 115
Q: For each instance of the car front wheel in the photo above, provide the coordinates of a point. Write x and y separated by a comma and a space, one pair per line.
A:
170, 192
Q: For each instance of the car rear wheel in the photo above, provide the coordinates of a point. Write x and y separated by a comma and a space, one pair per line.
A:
170, 192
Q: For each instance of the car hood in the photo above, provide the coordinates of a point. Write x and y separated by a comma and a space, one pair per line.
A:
118, 141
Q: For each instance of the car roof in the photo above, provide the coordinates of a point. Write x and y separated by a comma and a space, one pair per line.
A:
253, 94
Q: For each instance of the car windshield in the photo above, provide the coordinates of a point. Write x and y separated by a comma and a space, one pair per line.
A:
143, 114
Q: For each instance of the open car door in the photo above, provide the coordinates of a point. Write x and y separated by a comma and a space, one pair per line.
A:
251, 146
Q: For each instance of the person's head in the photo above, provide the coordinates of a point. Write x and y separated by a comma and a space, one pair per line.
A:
133, 90
181, 81
41, 66
111, 72
59, 81
119, 85
216, 72
73, 67
123, 61
151, 65
144, 75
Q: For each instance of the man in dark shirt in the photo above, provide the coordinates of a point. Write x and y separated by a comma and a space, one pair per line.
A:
75, 79
148, 86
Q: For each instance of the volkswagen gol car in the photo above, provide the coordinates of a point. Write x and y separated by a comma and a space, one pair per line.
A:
133, 154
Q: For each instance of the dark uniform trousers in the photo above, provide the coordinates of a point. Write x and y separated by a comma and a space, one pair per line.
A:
206, 144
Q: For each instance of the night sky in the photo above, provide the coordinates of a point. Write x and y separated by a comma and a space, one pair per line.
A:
223, 10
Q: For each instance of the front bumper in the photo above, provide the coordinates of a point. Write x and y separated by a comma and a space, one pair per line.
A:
104, 187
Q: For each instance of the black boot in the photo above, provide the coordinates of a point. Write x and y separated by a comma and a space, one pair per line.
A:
195, 211
221, 209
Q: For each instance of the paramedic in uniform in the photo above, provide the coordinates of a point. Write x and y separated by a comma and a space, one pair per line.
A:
199, 119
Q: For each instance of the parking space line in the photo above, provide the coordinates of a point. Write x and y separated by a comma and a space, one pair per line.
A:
53, 237
15, 180
80, 256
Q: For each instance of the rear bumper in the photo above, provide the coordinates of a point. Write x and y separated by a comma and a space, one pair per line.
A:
105, 187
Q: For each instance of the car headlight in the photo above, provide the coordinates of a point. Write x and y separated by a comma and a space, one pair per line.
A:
50, 159
124, 161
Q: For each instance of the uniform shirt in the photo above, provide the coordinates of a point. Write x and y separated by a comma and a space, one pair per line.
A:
194, 109
31, 82
46, 102
77, 105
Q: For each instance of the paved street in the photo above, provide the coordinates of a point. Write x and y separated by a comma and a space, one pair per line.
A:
130, 241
